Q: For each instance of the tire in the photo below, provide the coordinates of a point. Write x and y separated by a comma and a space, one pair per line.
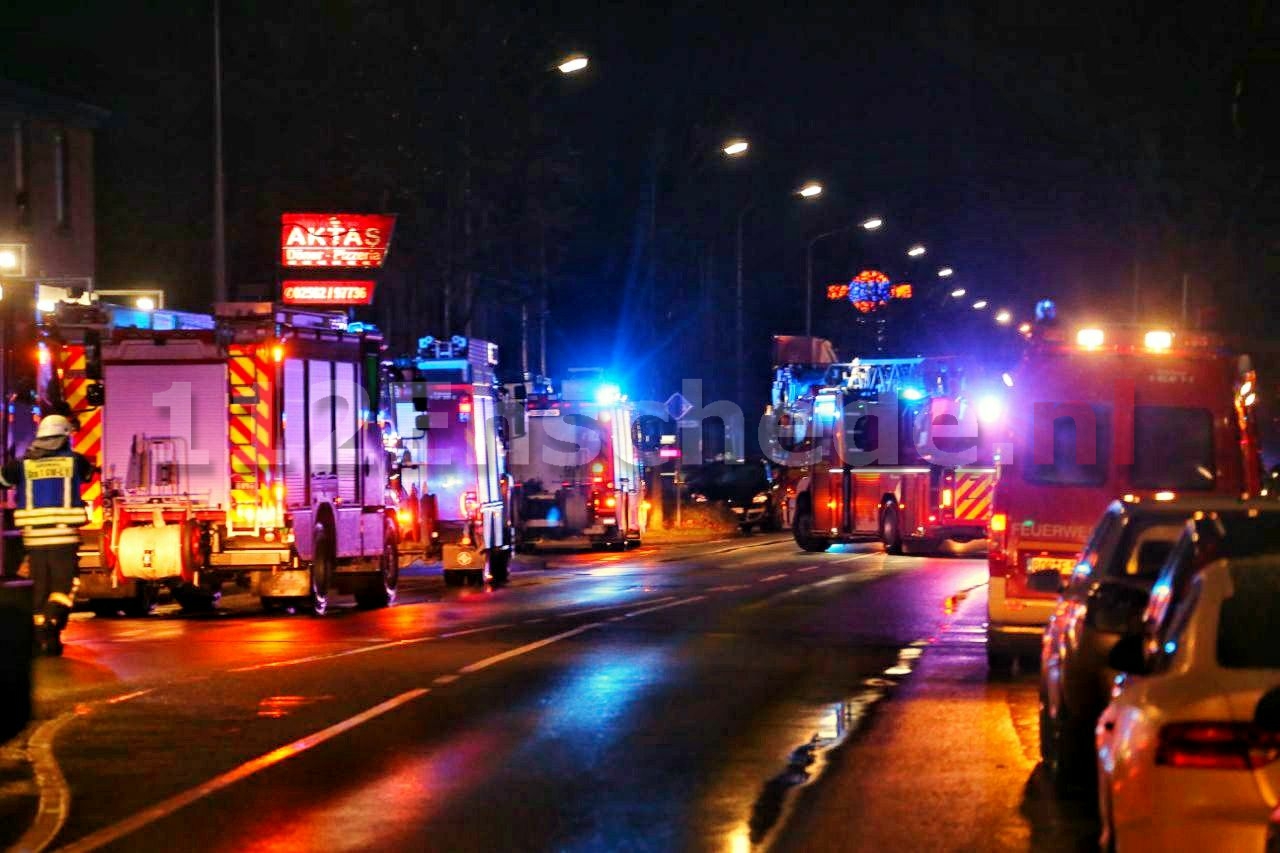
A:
143, 602
803, 532
272, 604
1068, 760
380, 591
891, 530
321, 570
454, 578
500, 565
999, 663
194, 599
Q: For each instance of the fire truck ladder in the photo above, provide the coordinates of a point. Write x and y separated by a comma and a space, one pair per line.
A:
876, 374
246, 377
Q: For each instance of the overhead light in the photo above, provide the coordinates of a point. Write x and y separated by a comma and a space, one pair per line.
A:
958, 292
946, 272
916, 251
873, 223
8, 260
1158, 340
1246, 388
1165, 496
1090, 338
736, 148
573, 64
46, 306
1003, 317
145, 303
1025, 328
1251, 399
813, 189
979, 305
1006, 379
990, 409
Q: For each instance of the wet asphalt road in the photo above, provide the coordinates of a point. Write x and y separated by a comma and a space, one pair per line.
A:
693, 697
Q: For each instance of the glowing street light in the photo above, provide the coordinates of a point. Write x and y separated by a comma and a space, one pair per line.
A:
946, 272
958, 293
1003, 317
915, 251
573, 64
813, 189
873, 223
145, 303
8, 260
979, 305
1025, 328
736, 148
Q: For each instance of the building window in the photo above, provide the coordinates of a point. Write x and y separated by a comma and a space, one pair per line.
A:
21, 199
61, 179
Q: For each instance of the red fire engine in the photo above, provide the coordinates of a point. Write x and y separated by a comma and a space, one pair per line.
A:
576, 469
895, 449
449, 448
1096, 414
240, 452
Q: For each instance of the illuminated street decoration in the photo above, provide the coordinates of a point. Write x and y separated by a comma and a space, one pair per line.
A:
836, 292
869, 290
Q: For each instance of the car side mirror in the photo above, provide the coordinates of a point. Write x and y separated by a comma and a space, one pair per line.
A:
1127, 655
1267, 715
1047, 580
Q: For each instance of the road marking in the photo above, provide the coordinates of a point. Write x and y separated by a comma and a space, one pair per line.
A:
474, 630
276, 664
772, 578
445, 679
116, 700
807, 569
113, 833
662, 607
615, 606
533, 621
528, 647
55, 796
729, 588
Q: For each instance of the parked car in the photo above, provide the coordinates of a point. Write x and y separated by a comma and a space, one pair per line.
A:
749, 490
1102, 600
1189, 747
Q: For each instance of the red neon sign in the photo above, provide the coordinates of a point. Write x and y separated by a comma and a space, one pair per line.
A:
345, 240
327, 293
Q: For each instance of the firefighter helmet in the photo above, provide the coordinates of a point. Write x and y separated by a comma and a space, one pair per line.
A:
53, 425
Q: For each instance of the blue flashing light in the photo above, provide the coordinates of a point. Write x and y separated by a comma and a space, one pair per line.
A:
608, 394
426, 342
912, 393
359, 328
990, 409
825, 406
1170, 647
1046, 311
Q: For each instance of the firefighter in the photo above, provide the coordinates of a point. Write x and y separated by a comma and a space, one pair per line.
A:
50, 512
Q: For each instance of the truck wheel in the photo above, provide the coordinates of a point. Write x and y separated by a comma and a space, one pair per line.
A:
890, 531
381, 590
143, 602
194, 599
321, 570
500, 565
272, 604
803, 532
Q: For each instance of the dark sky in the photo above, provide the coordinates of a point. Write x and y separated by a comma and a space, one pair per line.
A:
1040, 150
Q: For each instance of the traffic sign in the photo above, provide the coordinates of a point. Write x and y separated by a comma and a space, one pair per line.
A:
678, 406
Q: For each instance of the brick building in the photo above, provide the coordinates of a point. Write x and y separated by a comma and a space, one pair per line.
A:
46, 183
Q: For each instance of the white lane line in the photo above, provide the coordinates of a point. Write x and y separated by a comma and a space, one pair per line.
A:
116, 700
473, 631
113, 833
807, 569
533, 621
276, 664
733, 587
772, 578
664, 606
528, 647
445, 679
55, 796
615, 606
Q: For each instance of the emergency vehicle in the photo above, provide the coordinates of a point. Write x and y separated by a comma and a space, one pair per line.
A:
576, 469
924, 429
448, 445
1095, 414
240, 451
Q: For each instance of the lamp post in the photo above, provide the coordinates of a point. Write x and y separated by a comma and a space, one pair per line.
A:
865, 224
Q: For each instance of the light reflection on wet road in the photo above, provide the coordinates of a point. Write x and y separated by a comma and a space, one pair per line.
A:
657, 700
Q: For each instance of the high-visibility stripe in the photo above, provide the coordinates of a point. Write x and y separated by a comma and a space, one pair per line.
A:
88, 439
37, 537
973, 496
251, 423
49, 515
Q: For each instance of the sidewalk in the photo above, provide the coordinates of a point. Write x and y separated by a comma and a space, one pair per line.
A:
948, 762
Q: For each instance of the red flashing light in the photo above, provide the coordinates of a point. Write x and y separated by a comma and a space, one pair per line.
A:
611, 502
464, 406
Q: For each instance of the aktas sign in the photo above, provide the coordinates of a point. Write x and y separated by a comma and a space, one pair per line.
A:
337, 240
327, 292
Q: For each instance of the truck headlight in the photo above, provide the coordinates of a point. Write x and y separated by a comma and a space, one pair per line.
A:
762, 498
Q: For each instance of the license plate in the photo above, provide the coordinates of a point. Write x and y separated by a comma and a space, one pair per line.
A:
1061, 565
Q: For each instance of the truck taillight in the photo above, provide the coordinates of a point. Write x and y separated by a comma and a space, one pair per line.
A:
999, 523
1217, 746
947, 497
611, 502
464, 406
277, 492
277, 353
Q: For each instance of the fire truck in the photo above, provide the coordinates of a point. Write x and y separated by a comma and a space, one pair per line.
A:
447, 438
1098, 413
576, 469
242, 451
894, 449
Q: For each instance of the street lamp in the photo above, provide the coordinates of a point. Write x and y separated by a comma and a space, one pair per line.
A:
813, 189
736, 148
573, 64
979, 305
958, 293
946, 272
145, 303
873, 223
808, 268
1003, 317
915, 251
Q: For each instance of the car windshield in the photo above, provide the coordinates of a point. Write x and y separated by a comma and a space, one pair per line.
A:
1249, 621
1069, 458
728, 480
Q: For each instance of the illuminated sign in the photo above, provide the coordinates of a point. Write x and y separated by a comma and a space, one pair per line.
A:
344, 240
327, 292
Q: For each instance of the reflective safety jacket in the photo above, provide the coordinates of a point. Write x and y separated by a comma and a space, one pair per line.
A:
49, 510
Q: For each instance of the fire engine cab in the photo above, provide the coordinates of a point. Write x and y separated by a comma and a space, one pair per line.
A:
447, 441
244, 453
895, 449
577, 473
